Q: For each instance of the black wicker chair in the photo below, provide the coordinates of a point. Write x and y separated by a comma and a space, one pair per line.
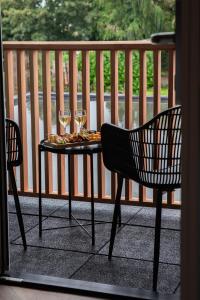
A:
14, 159
149, 155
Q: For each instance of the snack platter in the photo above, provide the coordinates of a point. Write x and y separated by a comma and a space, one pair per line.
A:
73, 139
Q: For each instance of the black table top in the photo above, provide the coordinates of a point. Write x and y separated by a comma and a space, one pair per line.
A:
85, 149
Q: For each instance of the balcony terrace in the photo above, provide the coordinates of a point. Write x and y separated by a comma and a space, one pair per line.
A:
67, 252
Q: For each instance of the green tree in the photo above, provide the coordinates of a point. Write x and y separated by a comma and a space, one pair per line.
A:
85, 20
47, 20
21, 19
67, 20
130, 19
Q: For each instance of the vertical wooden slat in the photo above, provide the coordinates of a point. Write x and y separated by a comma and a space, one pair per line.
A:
171, 99
60, 106
114, 106
46, 76
171, 78
128, 108
100, 117
73, 107
157, 98
33, 57
142, 106
157, 81
9, 84
21, 76
86, 105
9, 88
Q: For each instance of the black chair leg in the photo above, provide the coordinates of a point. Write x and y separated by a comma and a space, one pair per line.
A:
115, 215
157, 239
17, 205
92, 199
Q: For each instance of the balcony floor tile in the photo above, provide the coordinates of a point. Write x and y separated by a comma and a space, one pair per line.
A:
29, 205
138, 242
129, 273
146, 216
46, 261
29, 223
103, 212
71, 238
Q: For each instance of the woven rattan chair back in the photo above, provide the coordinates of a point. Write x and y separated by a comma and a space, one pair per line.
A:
156, 148
150, 154
14, 159
13, 144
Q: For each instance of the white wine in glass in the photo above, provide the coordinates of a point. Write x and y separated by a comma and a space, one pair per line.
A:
65, 118
81, 118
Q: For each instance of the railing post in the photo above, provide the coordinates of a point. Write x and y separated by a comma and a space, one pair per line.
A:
114, 107
86, 105
100, 117
171, 99
73, 107
128, 109
157, 101
60, 106
21, 76
33, 57
9, 85
142, 106
47, 116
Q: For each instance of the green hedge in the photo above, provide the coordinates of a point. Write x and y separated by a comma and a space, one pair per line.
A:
121, 71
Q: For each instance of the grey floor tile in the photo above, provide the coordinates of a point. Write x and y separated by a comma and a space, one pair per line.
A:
29, 222
45, 261
29, 205
72, 238
128, 273
138, 242
146, 216
103, 212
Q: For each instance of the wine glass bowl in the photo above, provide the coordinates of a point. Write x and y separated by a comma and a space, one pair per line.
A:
80, 118
65, 118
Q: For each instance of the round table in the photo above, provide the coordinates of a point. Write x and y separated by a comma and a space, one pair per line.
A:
70, 150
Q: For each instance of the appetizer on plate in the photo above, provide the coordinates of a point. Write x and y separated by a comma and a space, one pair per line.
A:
67, 138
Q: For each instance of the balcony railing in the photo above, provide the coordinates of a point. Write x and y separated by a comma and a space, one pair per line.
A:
28, 69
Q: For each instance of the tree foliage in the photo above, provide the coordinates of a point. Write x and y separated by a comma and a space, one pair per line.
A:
68, 20
85, 20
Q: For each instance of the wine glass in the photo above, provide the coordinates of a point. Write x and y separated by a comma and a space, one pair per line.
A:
81, 118
65, 118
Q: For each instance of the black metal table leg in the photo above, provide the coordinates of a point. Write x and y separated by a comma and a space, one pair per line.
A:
69, 187
92, 198
40, 192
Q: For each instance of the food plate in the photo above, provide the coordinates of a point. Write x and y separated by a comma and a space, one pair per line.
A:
72, 144
73, 139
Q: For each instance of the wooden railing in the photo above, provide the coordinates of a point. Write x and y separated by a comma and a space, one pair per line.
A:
28, 62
